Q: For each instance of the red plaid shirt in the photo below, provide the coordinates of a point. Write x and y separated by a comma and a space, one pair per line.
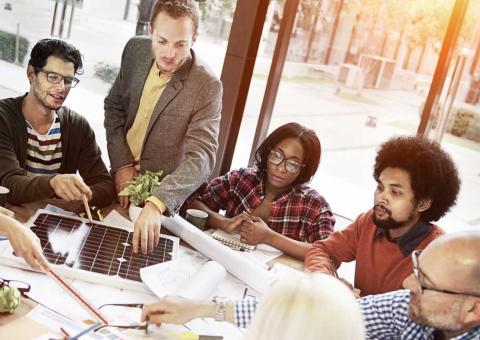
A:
301, 214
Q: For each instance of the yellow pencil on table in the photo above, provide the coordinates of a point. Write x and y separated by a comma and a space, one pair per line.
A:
87, 208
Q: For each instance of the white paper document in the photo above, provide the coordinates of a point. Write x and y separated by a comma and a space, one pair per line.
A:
114, 218
253, 275
262, 254
184, 278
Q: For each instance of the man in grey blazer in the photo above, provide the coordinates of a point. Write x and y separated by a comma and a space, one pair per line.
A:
163, 113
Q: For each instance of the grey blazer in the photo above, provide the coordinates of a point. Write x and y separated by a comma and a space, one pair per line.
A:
181, 138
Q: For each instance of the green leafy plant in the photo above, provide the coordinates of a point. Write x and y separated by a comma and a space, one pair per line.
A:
142, 187
7, 47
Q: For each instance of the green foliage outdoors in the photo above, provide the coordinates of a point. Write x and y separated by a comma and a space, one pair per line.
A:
142, 187
7, 47
463, 121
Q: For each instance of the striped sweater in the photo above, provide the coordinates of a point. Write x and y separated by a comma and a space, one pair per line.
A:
44, 152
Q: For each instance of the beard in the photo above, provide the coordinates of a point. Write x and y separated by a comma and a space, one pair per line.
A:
41, 97
389, 223
445, 320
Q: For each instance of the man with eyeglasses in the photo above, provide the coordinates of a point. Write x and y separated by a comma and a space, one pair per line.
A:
441, 299
43, 144
417, 183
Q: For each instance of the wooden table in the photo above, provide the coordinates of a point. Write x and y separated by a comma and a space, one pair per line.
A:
25, 211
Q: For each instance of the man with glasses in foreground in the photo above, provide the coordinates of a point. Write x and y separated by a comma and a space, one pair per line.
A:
417, 183
441, 299
272, 203
42, 143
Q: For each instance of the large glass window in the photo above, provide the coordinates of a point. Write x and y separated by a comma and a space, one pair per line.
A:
358, 73
456, 122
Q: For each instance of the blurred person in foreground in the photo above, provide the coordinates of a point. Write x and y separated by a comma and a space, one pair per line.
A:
303, 306
441, 300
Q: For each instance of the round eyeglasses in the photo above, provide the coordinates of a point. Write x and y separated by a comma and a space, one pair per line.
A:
276, 157
23, 287
56, 78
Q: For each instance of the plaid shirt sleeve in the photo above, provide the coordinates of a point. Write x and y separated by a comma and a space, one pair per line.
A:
216, 193
322, 225
244, 311
385, 315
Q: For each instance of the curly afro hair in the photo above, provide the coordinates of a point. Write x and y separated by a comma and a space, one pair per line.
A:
433, 174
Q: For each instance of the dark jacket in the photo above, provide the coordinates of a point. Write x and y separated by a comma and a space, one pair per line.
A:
80, 153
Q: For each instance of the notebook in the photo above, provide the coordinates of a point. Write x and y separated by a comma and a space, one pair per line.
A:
232, 240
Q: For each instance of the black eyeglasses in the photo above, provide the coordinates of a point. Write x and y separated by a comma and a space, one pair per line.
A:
417, 271
276, 157
123, 311
55, 78
23, 287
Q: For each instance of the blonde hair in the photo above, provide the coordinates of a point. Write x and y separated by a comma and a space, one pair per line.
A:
308, 306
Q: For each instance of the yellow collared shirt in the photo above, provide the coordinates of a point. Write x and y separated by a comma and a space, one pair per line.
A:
152, 90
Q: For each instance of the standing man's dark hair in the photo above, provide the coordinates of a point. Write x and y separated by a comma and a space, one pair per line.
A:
58, 48
309, 141
433, 175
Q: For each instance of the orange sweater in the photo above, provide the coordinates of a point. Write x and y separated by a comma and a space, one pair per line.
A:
381, 267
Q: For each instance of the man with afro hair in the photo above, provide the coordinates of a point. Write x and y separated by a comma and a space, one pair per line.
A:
417, 184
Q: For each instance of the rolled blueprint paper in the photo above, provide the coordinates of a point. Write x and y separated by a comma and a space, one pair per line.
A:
203, 283
254, 276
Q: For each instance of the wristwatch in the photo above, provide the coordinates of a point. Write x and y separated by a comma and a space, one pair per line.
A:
220, 307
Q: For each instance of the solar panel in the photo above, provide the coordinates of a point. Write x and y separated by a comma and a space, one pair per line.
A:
95, 247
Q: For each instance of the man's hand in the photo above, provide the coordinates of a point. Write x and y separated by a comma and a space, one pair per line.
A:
147, 228
122, 177
70, 187
24, 242
7, 212
255, 231
176, 310
355, 291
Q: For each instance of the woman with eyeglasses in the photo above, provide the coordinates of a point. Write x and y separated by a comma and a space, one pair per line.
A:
24, 242
271, 202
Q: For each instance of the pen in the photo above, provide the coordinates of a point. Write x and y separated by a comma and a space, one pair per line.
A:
87, 208
86, 330
245, 293
65, 333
